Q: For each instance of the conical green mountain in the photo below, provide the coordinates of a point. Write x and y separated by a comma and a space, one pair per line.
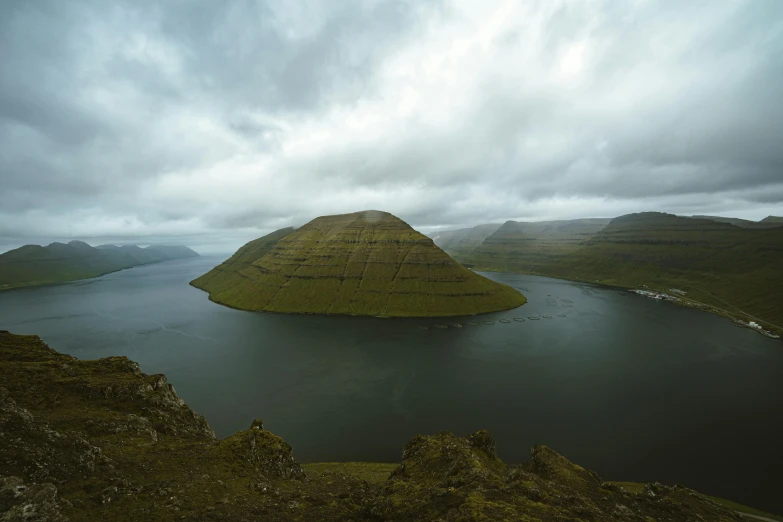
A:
366, 263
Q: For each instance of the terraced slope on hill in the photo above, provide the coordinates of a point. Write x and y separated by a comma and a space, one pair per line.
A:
526, 247
58, 262
100, 440
734, 270
460, 243
731, 268
366, 263
226, 273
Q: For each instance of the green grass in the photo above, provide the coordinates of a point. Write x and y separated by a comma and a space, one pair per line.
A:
372, 472
637, 488
367, 263
723, 266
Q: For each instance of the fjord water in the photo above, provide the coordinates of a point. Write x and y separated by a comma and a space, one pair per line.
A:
637, 389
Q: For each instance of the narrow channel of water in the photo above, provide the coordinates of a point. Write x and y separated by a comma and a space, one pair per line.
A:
634, 388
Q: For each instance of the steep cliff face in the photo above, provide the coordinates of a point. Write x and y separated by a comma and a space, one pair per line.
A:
99, 440
366, 263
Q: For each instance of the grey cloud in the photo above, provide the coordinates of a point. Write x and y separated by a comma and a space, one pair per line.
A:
195, 119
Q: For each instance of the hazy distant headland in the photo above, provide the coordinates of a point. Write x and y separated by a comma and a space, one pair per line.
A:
60, 262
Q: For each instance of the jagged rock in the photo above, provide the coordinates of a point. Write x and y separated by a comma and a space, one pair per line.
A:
29, 503
269, 454
483, 441
549, 464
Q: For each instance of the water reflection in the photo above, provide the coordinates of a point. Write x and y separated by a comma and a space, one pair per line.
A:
635, 388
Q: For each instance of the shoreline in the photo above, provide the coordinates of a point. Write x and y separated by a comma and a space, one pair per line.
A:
54, 283
775, 332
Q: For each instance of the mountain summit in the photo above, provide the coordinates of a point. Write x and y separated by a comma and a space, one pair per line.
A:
365, 263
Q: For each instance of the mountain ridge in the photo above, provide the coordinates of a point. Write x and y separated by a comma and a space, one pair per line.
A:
524, 245
724, 268
32, 265
461, 242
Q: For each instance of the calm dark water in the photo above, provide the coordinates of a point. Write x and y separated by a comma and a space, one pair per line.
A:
634, 388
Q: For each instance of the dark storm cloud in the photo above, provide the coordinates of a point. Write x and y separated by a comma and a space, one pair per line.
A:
213, 122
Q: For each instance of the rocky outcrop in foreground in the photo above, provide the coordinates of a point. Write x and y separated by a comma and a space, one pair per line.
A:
99, 440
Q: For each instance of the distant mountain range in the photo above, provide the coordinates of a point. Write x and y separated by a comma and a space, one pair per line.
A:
60, 262
729, 265
365, 263
517, 245
767, 222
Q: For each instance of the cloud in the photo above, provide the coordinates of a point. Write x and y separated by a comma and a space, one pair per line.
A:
214, 123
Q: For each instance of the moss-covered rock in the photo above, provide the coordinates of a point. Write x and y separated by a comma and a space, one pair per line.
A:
22, 503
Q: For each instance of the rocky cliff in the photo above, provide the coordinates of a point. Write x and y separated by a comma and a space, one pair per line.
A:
100, 440
366, 263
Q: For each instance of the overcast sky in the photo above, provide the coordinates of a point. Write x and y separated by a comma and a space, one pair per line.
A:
210, 123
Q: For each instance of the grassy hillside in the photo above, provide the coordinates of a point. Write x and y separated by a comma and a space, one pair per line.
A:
525, 247
772, 219
58, 262
638, 488
366, 263
225, 274
100, 440
460, 243
735, 270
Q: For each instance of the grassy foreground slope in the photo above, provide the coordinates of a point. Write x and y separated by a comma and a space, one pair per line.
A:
59, 262
460, 243
100, 440
526, 247
366, 263
735, 270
